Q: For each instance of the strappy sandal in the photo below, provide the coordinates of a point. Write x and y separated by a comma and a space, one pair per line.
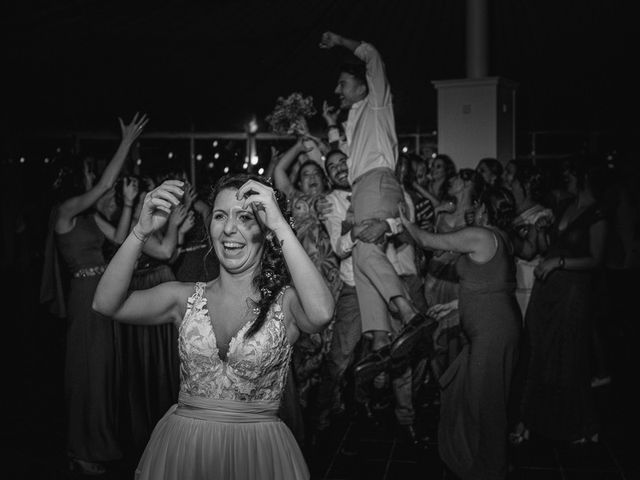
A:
86, 468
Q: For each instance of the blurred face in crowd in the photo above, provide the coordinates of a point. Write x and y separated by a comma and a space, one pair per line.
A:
486, 174
421, 173
349, 90
235, 233
311, 179
512, 183
337, 170
438, 169
509, 174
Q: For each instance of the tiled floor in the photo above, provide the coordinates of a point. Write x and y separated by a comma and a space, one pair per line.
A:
382, 454
33, 426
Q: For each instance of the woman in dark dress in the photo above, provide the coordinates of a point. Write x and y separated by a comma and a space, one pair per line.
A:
557, 399
472, 434
81, 232
148, 354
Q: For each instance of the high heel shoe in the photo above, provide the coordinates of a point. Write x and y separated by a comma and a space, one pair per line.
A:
519, 436
595, 438
86, 468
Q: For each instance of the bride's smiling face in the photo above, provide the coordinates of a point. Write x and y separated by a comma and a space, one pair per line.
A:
235, 233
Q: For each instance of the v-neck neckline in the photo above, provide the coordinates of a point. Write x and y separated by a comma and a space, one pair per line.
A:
580, 213
213, 331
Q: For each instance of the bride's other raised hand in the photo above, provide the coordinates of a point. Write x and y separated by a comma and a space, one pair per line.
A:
262, 199
157, 206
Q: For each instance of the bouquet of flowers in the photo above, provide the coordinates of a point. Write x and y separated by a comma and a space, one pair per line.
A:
289, 117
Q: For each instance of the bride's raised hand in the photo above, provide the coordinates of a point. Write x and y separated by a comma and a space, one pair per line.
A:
157, 206
262, 199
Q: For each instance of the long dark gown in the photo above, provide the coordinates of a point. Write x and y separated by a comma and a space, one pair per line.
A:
472, 433
557, 399
149, 365
90, 373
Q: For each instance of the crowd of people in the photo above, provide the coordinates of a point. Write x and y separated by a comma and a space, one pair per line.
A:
218, 334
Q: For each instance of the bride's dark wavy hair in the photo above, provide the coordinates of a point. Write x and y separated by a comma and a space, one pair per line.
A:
273, 274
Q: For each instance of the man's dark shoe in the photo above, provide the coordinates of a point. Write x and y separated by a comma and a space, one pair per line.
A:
371, 365
418, 332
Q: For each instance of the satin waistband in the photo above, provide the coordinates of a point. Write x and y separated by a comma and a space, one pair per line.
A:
227, 411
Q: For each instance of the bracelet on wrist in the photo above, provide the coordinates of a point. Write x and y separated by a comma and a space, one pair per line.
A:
130, 205
561, 263
331, 127
138, 235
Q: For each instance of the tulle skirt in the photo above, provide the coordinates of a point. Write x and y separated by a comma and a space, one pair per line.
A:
221, 439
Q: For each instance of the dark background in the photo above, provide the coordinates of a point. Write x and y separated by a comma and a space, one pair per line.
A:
211, 65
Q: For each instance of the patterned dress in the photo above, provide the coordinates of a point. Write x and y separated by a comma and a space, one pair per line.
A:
225, 424
311, 349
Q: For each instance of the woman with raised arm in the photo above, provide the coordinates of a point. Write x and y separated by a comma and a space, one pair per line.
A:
472, 434
306, 196
148, 355
81, 229
235, 335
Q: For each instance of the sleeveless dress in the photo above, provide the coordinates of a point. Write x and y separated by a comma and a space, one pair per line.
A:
558, 401
148, 363
472, 434
90, 364
311, 349
225, 424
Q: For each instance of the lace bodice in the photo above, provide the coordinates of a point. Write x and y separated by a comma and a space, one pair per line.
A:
255, 368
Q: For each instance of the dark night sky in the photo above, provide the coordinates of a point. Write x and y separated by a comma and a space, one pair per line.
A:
80, 64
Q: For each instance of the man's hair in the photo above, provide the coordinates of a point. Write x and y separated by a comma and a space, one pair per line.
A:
332, 152
358, 70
